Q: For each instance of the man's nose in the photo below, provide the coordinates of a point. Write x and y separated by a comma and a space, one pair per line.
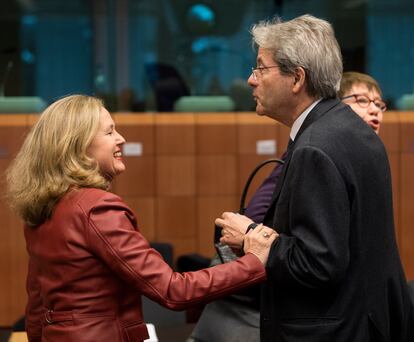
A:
251, 81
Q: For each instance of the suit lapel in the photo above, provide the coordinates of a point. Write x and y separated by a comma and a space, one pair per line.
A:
320, 109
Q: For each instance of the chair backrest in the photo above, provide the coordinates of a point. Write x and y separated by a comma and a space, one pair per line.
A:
411, 290
166, 250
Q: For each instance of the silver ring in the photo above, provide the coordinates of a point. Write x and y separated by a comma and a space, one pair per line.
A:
266, 235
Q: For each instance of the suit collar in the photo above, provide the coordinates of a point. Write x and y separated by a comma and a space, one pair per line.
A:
316, 113
301, 118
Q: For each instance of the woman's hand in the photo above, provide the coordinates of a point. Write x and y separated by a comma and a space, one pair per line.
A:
258, 241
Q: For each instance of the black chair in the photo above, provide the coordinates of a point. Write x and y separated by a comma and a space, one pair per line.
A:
166, 250
411, 290
18, 326
192, 262
153, 312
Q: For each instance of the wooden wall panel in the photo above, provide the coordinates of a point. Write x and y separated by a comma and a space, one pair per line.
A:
283, 134
193, 167
138, 128
138, 178
390, 134
175, 217
216, 175
251, 129
406, 239
208, 209
6, 259
144, 210
174, 134
13, 255
175, 176
216, 135
18, 268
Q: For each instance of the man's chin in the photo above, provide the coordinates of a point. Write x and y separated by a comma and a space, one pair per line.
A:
260, 111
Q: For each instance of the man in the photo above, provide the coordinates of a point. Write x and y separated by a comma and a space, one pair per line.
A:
363, 94
334, 272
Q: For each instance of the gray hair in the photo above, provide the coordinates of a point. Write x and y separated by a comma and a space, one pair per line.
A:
306, 42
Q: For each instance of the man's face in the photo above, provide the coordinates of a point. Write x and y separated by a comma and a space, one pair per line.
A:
271, 89
366, 103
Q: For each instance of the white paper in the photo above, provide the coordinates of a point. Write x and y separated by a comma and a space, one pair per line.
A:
266, 147
152, 334
132, 149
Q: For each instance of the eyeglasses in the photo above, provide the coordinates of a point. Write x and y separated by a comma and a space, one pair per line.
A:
256, 72
364, 101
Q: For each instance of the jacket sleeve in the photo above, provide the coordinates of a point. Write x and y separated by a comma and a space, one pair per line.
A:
114, 238
313, 247
33, 319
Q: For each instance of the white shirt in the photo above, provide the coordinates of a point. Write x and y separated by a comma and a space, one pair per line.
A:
300, 119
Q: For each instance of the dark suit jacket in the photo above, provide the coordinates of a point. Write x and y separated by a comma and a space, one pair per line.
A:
334, 274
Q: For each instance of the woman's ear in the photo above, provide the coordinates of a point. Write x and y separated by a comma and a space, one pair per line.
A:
299, 79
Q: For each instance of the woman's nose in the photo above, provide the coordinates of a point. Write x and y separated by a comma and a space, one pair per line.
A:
120, 139
373, 109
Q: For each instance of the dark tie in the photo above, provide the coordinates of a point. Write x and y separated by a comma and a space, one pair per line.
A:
289, 148
279, 182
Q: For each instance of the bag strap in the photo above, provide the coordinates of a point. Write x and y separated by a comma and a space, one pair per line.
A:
242, 208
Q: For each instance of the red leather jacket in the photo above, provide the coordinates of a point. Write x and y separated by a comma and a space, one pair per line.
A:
89, 266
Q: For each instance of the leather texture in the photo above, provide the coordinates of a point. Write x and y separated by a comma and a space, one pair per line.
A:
89, 266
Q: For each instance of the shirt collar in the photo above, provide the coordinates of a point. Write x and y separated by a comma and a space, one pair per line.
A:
300, 119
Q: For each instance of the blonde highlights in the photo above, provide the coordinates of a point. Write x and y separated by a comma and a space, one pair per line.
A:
53, 158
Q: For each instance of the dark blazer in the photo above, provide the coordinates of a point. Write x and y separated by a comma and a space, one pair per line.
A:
335, 272
89, 266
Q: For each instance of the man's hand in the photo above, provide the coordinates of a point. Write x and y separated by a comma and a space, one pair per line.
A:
234, 227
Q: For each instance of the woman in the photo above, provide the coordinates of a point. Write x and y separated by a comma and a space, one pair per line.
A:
363, 94
89, 264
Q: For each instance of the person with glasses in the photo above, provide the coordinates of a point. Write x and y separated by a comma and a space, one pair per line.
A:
363, 94
334, 272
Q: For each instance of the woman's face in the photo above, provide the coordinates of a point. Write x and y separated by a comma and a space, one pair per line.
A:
106, 147
370, 112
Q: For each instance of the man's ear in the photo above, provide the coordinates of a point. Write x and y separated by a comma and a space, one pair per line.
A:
299, 80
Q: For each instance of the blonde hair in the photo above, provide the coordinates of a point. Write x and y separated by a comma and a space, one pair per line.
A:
53, 158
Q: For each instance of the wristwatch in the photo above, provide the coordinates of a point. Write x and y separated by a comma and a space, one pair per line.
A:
250, 227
